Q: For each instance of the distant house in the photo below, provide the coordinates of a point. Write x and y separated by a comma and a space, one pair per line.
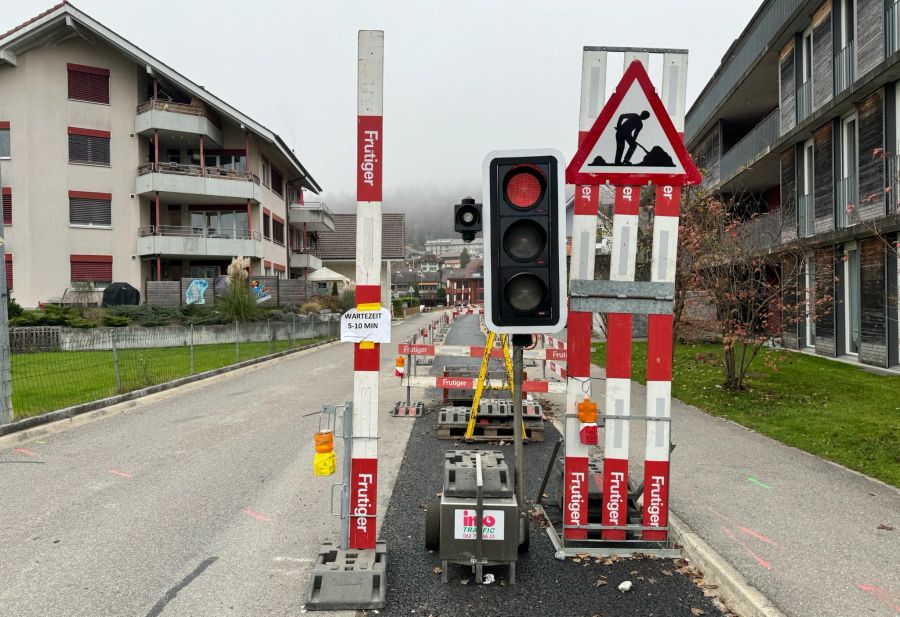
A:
337, 249
425, 284
452, 260
466, 285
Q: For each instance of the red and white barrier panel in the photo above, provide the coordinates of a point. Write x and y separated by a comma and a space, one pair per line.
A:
366, 356
460, 351
548, 342
469, 383
469, 310
557, 369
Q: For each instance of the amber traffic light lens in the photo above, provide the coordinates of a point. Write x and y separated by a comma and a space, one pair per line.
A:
524, 240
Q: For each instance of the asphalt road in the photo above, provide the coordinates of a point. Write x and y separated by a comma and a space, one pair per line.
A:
198, 501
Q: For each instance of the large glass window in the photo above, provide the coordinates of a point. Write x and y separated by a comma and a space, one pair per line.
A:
5, 149
220, 223
851, 298
809, 282
234, 162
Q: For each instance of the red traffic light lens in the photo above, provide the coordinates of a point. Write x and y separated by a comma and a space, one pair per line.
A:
525, 292
524, 187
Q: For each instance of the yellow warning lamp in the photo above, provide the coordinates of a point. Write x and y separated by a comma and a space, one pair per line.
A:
587, 411
324, 460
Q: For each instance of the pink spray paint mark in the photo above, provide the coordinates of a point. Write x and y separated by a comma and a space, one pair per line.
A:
758, 536
882, 595
121, 474
25, 452
762, 562
256, 515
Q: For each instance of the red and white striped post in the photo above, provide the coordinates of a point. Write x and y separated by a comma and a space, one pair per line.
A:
659, 367
364, 449
584, 239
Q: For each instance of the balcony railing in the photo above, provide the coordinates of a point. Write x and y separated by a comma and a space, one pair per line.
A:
311, 206
180, 108
762, 233
845, 68
198, 232
804, 100
751, 145
892, 28
892, 169
308, 250
197, 170
845, 198
806, 215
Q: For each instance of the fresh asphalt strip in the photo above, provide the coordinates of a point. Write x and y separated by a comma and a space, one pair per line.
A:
544, 585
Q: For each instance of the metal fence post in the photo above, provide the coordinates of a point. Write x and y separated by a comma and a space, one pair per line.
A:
269, 334
112, 340
293, 331
192, 349
237, 344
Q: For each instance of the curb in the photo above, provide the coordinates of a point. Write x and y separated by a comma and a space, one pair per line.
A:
29, 428
740, 596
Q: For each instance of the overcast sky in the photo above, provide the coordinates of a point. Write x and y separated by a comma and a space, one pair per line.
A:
461, 78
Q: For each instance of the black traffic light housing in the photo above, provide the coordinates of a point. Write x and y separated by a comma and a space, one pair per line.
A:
524, 241
467, 218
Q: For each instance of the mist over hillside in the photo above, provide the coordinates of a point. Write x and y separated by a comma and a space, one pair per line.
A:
428, 209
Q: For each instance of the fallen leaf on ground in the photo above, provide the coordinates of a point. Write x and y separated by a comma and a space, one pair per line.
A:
437, 569
600, 582
885, 527
465, 581
697, 611
667, 572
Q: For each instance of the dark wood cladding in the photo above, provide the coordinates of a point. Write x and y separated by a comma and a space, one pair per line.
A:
825, 303
871, 162
824, 178
707, 155
869, 35
823, 58
788, 108
873, 302
788, 195
790, 326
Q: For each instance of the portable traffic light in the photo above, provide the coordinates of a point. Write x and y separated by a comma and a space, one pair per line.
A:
467, 218
524, 241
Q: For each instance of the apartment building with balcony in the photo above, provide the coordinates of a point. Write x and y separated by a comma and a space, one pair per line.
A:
800, 124
115, 167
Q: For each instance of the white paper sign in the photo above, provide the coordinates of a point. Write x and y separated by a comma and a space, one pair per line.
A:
466, 525
358, 326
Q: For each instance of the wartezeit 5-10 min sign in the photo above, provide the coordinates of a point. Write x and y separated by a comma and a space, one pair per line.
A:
358, 326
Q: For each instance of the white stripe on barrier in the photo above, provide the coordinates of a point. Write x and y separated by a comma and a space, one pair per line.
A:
659, 405
461, 351
468, 383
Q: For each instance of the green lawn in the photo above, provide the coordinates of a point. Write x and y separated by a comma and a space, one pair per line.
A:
833, 410
46, 381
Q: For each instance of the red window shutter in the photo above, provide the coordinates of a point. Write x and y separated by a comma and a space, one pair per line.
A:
91, 267
7, 205
88, 83
9, 271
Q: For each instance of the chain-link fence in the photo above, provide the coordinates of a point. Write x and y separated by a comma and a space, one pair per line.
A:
56, 367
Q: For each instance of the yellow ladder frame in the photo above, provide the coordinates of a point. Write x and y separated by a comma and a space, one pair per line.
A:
482, 376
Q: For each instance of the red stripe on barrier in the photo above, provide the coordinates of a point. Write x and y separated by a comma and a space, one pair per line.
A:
368, 153
579, 339
454, 383
659, 348
668, 200
366, 359
656, 499
615, 497
535, 386
367, 294
576, 511
627, 200
561, 355
405, 349
478, 352
618, 346
363, 493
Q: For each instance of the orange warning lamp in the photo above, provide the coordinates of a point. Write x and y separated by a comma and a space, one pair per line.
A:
587, 411
324, 460
400, 362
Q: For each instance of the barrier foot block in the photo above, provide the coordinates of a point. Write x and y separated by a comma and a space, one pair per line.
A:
348, 579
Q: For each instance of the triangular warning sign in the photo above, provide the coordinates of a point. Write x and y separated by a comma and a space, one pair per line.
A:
633, 140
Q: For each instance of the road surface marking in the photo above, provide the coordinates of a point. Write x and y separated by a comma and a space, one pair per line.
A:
121, 474
256, 515
882, 595
758, 536
757, 482
25, 452
762, 562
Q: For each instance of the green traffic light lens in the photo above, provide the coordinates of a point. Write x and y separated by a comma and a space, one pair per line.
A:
525, 292
524, 240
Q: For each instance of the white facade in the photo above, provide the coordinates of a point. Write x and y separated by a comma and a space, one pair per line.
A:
156, 123
445, 246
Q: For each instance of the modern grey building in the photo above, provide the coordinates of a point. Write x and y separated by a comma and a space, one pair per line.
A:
801, 121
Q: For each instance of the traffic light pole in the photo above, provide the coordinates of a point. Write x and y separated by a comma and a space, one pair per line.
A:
519, 341
6, 408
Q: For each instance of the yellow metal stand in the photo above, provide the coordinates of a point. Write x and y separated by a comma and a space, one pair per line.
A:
482, 377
